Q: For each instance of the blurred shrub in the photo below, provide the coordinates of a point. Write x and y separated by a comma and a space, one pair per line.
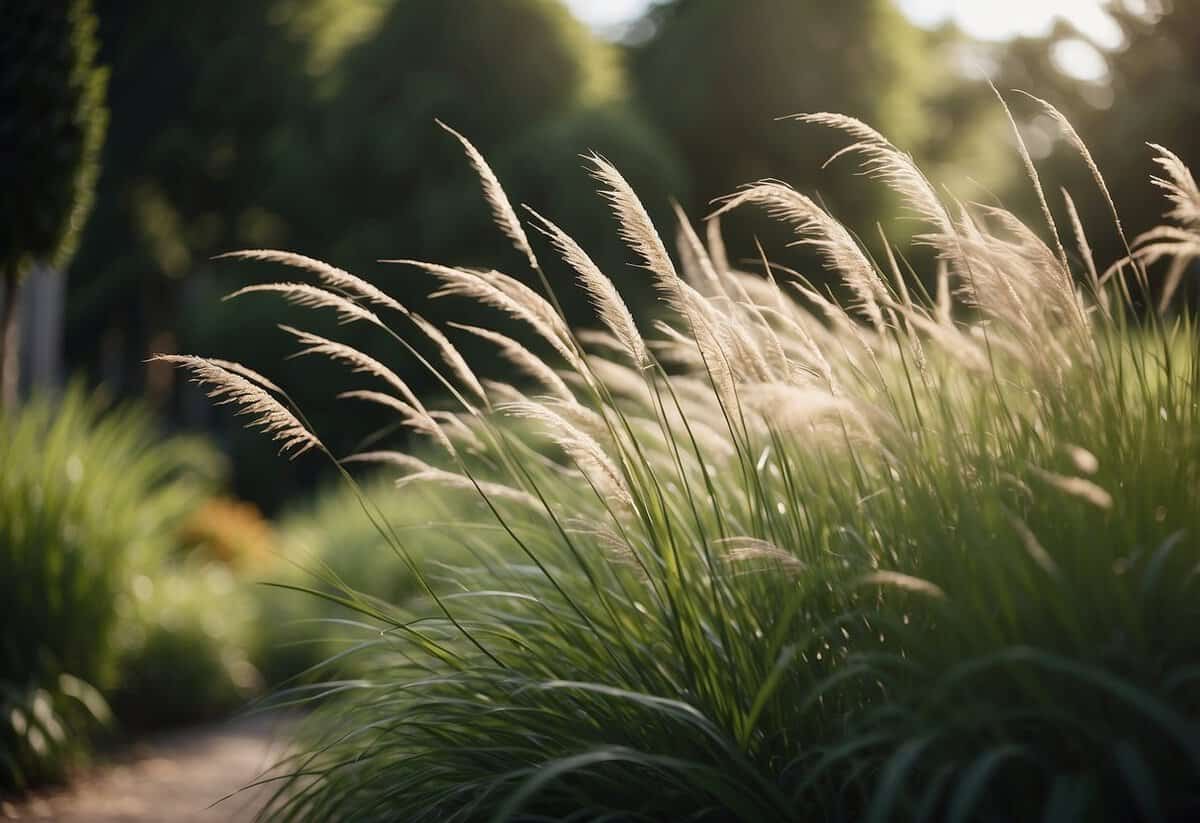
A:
328, 534
331, 543
231, 531
45, 728
88, 500
185, 654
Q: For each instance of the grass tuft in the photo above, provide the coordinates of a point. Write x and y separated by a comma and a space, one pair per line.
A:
769, 562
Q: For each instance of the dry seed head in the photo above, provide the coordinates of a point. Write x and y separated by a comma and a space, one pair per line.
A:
1083, 459
883, 161
452, 357
604, 295
331, 276
493, 192
716, 245
789, 407
229, 387
636, 227
523, 359
589, 456
537, 305
744, 549
503, 293
1033, 547
394, 458
1180, 186
699, 268
1077, 142
311, 297
821, 231
899, 580
1085, 490
850, 125
361, 363
247, 372
458, 428
1034, 178
1085, 249
615, 546
621, 380
415, 416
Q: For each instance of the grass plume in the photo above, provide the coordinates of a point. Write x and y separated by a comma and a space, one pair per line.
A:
771, 562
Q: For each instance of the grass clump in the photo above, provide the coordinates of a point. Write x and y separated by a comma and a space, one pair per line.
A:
120, 616
89, 499
918, 555
330, 545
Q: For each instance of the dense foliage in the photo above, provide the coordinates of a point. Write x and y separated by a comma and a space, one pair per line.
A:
918, 556
909, 534
1145, 96
307, 124
89, 503
190, 646
310, 124
331, 544
52, 122
713, 77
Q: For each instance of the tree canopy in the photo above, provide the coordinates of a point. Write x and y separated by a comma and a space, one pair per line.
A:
716, 76
52, 124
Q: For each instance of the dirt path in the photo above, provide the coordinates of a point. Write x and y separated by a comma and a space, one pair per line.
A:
169, 778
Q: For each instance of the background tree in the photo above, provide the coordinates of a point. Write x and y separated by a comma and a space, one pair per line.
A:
374, 177
204, 97
496, 71
715, 76
1148, 93
309, 125
52, 124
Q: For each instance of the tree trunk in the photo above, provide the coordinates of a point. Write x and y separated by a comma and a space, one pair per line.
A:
43, 295
10, 337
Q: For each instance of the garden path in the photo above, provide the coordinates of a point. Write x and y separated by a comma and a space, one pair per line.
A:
175, 777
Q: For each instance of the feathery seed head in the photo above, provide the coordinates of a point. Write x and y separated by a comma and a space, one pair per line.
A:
229, 386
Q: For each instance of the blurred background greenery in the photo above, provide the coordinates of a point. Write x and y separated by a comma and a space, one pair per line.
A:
308, 125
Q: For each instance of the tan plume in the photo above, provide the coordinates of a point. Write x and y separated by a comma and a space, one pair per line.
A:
229, 387
493, 192
311, 297
604, 295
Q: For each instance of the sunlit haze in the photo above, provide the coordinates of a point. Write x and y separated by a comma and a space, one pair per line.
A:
1001, 20
985, 19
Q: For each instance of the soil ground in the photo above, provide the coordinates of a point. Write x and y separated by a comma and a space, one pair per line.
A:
175, 777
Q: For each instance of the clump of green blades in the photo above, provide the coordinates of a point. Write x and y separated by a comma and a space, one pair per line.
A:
928, 553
